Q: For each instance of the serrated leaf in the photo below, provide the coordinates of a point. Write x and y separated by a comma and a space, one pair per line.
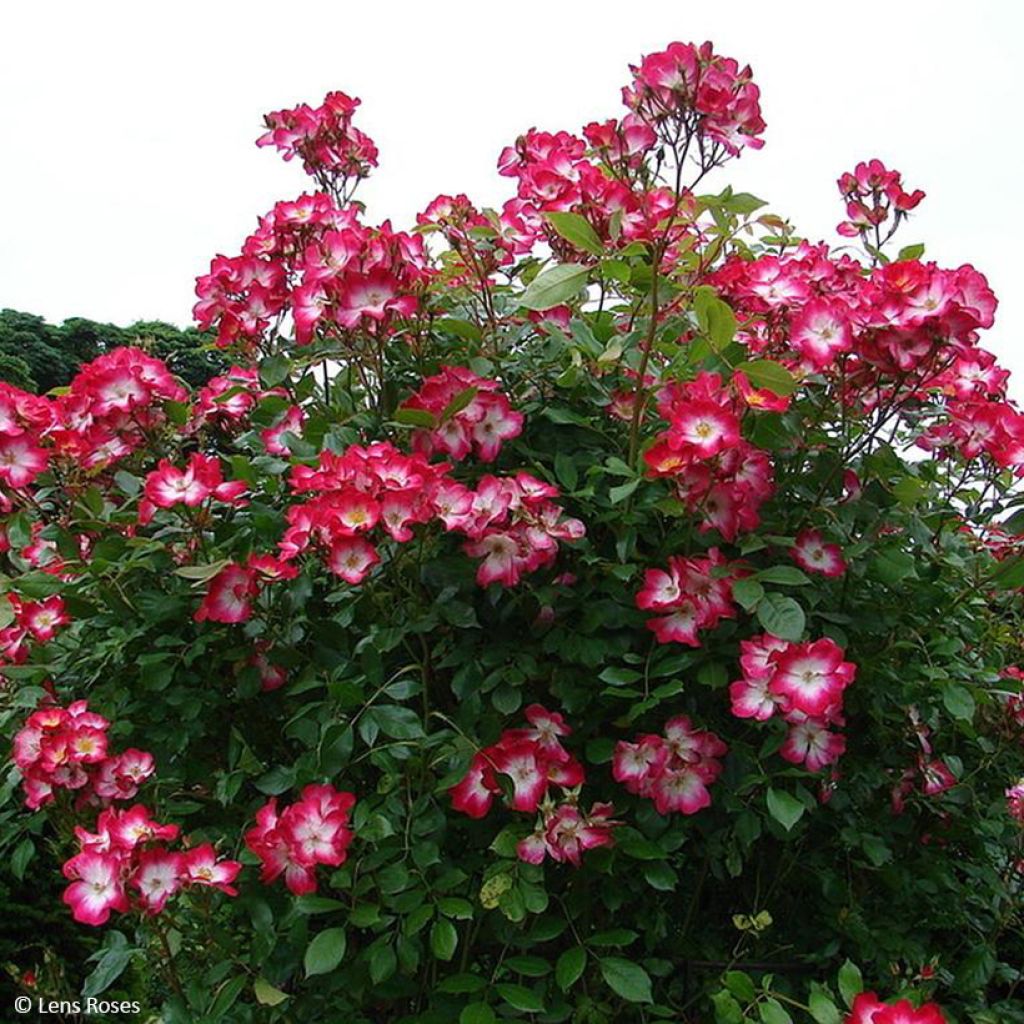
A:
477, 1013
627, 979
570, 967
747, 592
823, 1010
443, 939
415, 418
851, 984
202, 573
782, 617
325, 952
772, 1011
763, 373
577, 231
554, 286
519, 997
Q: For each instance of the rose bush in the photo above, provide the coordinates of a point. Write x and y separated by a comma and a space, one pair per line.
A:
606, 608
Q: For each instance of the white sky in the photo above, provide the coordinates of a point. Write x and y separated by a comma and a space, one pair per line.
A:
128, 128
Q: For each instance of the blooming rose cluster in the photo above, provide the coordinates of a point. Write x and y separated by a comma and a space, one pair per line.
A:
695, 592
23, 420
557, 173
534, 760
107, 412
292, 842
512, 524
66, 748
201, 480
804, 683
330, 147
869, 1009
674, 769
112, 407
481, 242
901, 331
230, 594
718, 475
470, 413
36, 620
317, 262
872, 193
691, 95
905, 319
124, 864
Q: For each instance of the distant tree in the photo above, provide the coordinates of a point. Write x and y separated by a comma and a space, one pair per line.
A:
38, 356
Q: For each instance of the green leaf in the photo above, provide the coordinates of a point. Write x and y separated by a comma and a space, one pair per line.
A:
911, 252
747, 592
443, 939
415, 418
324, 953
569, 967
782, 617
784, 808
823, 1010
226, 997
622, 491
462, 984
110, 965
627, 979
274, 370
763, 373
23, 853
783, 575
576, 230
266, 994
531, 966
520, 997
851, 984
565, 470
660, 876
740, 985
201, 573
959, 702
477, 1013
727, 1010
554, 286
892, 565
716, 318
1009, 573
464, 329
772, 1012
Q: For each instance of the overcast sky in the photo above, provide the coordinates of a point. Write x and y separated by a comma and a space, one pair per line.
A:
128, 128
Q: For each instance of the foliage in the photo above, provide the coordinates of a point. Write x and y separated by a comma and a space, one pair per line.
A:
604, 609
37, 356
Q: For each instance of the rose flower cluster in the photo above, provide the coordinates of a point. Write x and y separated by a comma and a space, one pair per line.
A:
512, 523
292, 842
872, 193
124, 864
470, 413
692, 593
66, 748
804, 682
693, 87
675, 769
534, 760
720, 477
